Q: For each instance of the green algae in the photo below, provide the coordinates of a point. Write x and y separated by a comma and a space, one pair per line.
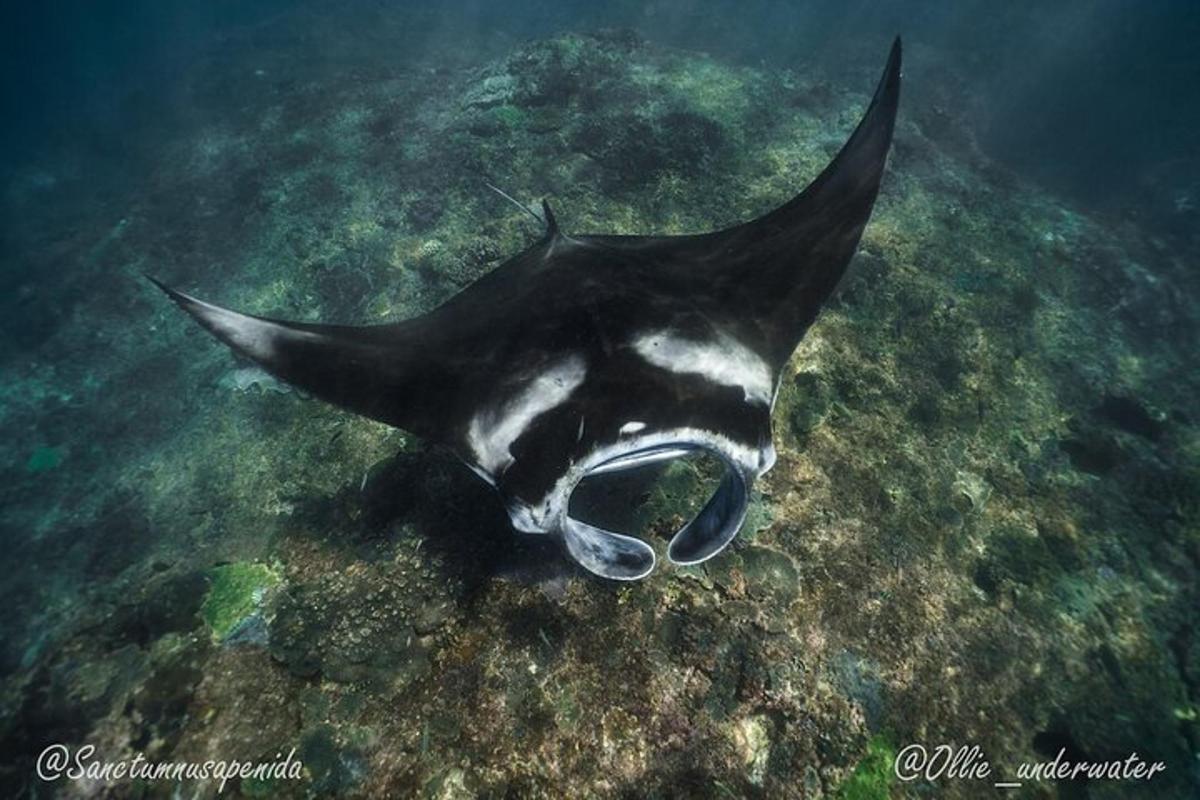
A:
236, 592
872, 778
44, 459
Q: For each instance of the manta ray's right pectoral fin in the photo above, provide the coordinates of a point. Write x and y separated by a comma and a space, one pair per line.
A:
372, 370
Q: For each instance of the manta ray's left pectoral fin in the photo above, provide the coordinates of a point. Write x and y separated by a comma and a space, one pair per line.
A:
375, 371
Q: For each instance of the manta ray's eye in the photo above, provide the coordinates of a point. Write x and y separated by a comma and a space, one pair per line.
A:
688, 494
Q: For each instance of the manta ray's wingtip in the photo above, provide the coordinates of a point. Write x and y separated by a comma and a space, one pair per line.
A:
185, 301
157, 282
178, 297
254, 337
889, 84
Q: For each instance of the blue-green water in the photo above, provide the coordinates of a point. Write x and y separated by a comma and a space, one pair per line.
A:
982, 528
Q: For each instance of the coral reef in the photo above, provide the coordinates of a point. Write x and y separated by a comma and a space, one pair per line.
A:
983, 526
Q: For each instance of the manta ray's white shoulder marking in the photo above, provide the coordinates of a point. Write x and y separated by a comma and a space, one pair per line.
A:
722, 360
492, 431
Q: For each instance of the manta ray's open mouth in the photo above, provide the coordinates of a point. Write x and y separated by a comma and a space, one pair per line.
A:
635, 490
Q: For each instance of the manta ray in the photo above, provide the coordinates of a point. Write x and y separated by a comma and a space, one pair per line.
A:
592, 354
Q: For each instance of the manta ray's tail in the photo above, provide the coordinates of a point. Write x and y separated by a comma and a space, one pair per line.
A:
375, 371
